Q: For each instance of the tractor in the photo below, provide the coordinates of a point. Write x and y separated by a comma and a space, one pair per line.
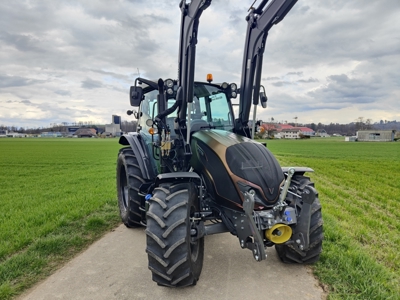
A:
192, 169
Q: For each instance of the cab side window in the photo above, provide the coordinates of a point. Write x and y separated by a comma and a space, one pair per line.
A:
148, 109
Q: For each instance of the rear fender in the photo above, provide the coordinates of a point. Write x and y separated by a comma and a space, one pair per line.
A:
146, 164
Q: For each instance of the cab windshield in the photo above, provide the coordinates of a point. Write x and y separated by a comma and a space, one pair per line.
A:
210, 103
211, 108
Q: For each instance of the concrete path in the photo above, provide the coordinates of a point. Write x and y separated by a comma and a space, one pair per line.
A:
115, 267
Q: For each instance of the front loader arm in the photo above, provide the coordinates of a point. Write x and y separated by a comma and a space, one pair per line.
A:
187, 50
259, 22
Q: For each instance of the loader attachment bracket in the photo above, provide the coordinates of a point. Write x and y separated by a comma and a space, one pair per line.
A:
255, 243
301, 236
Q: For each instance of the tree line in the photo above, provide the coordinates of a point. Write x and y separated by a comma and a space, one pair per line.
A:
126, 126
349, 129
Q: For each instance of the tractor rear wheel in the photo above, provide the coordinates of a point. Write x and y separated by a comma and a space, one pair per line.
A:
174, 259
286, 252
129, 179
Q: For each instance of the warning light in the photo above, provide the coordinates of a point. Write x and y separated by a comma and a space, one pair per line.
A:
209, 78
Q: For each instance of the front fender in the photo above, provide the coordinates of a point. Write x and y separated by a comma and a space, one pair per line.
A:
146, 164
297, 170
180, 176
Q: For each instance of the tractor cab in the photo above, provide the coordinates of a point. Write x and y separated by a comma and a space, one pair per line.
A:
211, 108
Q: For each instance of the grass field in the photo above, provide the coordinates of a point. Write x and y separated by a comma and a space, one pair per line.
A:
58, 196
359, 188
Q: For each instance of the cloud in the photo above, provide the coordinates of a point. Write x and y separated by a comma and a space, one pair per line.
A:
75, 60
295, 73
308, 80
91, 84
63, 92
342, 89
282, 83
16, 81
21, 42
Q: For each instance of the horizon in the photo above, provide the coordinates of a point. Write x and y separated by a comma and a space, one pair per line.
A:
84, 124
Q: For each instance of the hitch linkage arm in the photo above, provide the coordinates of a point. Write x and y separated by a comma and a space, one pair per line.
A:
257, 246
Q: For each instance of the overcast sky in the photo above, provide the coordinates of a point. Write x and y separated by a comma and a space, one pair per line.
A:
69, 61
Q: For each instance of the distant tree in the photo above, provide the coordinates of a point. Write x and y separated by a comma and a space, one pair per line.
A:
368, 124
360, 123
128, 126
269, 129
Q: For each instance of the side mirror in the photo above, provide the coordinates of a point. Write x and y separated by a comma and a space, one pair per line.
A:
134, 112
136, 95
263, 99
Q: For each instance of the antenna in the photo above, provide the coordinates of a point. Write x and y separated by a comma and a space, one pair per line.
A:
251, 6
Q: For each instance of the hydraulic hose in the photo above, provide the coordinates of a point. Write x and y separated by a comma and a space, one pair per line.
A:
173, 107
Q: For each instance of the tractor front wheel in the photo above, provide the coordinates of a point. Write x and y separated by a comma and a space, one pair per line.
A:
129, 179
175, 259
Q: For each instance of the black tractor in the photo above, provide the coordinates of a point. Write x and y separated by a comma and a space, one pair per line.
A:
192, 169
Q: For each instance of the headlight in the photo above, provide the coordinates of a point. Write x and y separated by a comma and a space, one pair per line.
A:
170, 91
169, 83
224, 85
233, 86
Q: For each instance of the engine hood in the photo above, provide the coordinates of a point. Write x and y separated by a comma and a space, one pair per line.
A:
248, 164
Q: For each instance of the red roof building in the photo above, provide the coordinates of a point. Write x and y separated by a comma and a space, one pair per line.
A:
291, 132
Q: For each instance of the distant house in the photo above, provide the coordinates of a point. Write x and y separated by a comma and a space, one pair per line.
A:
321, 133
3, 133
289, 132
376, 135
306, 131
115, 127
350, 139
10, 134
281, 127
51, 134
85, 132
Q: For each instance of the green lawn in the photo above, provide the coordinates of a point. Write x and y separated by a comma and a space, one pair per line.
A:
58, 196
359, 189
